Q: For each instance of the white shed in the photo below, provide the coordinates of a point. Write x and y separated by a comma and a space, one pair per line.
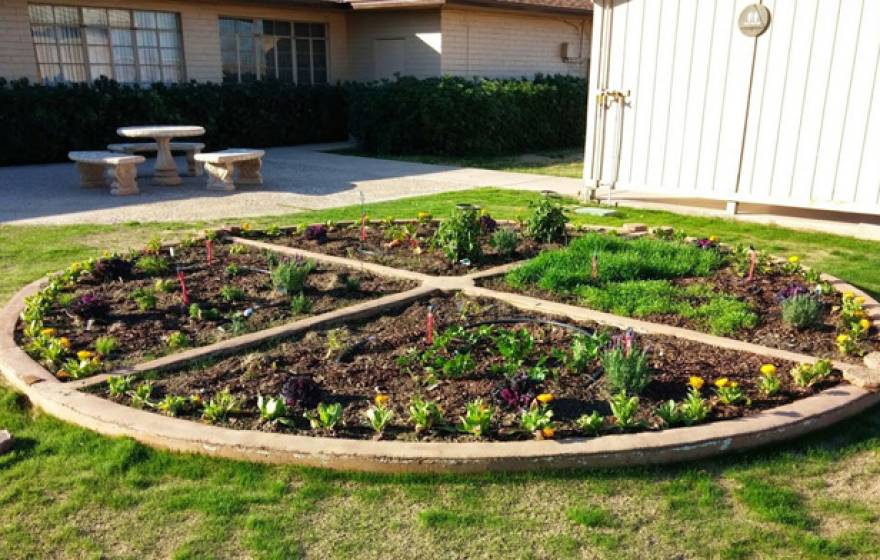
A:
687, 102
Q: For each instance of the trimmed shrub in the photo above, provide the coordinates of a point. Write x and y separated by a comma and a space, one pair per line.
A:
468, 116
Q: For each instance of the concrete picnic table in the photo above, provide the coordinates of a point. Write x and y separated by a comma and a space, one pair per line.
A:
165, 170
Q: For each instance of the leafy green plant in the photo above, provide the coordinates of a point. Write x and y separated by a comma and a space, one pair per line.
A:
142, 395
378, 417
536, 418
172, 405
164, 285
504, 241
290, 277
154, 246
547, 222
105, 345
237, 249
807, 375
694, 408
669, 413
769, 385
231, 293
729, 392
515, 347
177, 340
232, 270
118, 385
802, 311
271, 408
626, 370
585, 350
196, 312
152, 265
352, 283
300, 304
459, 235
424, 414
220, 406
624, 408
477, 418
82, 366
458, 365
325, 416
145, 298
590, 423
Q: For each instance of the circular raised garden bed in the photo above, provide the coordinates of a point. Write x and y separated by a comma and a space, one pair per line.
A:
507, 351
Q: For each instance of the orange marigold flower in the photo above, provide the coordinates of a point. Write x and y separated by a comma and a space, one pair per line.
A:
65, 342
48, 331
548, 432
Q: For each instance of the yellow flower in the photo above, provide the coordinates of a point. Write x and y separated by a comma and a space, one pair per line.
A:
842, 338
382, 400
544, 398
65, 342
865, 324
859, 300
768, 369
794, 259
48, 331
697, 382
722, 382
423, 216
84, 355
548, 432
848, 295
714, 238
246, 227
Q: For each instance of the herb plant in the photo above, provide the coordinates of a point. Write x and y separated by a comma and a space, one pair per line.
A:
152, 265
424, 414
231, 293
290, 277
807, 375
590, 423
220, 406
505, 241
172, 405
300, 304
145, 298
547, 222
626, 368
271, 408
624, 408
118, 385
477, 418
802, 311
325, 416
459, 236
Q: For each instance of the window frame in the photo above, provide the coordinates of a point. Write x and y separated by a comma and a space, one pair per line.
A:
84, 45
258, 34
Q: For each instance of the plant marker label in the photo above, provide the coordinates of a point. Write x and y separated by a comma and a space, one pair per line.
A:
184, 293
171, 251
753, 261
210, 246
429, 331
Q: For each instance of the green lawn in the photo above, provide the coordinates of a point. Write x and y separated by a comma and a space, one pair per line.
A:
561, 163
67, 493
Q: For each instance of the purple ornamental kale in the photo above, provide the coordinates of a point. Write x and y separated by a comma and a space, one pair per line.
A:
488, 224
316, 233
302, 391
705, 244
790, 291
517, 393
89, 306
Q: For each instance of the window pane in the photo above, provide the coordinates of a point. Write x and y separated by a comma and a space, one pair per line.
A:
171, 73
123, 55
148, 56
166, 20
269, 70
147, 39
94, 16
247, 57
119, 18
150, 74
301, 29
66, 14
43, 34
124, 73
268, 27
170, 56
320, 61
73, 72
145, 20
317, 30
47, 53
121, 37
169, 39
40, 14
50, 72
245, 27
282, 28
70, 54
69, 35
303, 61
229, 60
97, 36
227, 26
98, 70
99, 55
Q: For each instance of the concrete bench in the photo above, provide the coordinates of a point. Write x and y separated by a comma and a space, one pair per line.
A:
221, 165
94, 168
193, 168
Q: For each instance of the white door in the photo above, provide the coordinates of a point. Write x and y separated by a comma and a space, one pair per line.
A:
389, 58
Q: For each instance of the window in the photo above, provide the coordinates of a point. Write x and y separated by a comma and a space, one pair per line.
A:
75, 44
273, 50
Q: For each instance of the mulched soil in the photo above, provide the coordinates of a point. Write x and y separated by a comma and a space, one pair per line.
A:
761, 295
381, 341
380, 248
142, 334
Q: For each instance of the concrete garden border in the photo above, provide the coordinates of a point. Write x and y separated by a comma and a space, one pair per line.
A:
68, 402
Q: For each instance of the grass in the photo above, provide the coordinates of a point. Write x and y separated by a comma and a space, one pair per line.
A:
560, 163
68, 493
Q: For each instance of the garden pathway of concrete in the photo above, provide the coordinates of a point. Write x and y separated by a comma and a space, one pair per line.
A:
295, 178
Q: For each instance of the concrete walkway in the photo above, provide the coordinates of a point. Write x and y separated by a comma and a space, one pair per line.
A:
295, 178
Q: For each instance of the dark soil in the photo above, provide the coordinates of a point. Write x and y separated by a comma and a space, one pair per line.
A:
142, 334
414, 254
761, 295
374, 369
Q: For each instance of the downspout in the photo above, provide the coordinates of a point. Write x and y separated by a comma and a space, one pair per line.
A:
593, 166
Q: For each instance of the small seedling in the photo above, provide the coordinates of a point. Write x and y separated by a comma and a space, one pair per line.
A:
220, 406
145, 298
105, 345
424, 414
325, 416
590, 423
300, 305
477, 418
118, 385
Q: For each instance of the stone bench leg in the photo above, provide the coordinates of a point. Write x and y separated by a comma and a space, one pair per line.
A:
91, 175
193, 167
219, 176
124, 179
249, 172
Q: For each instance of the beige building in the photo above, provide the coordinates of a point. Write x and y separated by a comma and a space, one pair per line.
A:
301, 41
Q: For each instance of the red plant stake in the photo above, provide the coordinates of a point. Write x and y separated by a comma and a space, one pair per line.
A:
184, 293
430, 327
627, 342
363, 228
210, 245
595, 266
753, 261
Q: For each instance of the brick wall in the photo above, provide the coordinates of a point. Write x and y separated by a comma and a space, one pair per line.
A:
419, 29
498, 44
201, 38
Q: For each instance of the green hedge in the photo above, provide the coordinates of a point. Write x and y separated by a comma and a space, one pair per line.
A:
41, 124
460, 116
